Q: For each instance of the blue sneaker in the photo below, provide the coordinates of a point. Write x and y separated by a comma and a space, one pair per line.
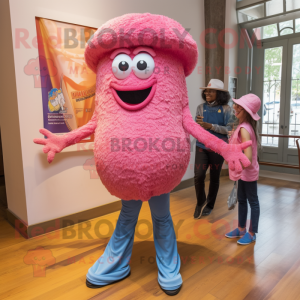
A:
247, 239
236, 233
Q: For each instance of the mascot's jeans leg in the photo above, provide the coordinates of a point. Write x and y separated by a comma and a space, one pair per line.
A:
113, 265
167, 257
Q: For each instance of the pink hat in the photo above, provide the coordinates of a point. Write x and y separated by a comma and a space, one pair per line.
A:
251, 103
133, 30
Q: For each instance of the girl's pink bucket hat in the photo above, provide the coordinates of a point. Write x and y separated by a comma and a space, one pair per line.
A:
251, 103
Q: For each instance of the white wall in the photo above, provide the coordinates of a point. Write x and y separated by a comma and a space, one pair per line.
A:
9, 120
64, 187
231, 54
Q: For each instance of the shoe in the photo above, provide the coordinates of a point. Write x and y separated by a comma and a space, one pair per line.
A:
206, 211
171, 292
198, 210
236, 233
247, 239
95, 286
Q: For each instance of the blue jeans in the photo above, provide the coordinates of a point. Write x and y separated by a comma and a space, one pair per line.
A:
248, 191
113, 265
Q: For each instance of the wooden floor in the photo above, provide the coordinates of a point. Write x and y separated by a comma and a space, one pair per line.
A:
212, 267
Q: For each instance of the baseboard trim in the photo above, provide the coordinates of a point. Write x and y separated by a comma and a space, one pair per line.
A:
65, 221
280, 176
19, 225
69, 220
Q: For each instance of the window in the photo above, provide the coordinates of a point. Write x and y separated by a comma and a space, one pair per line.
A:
295, 97
271, 31
251, 13
297, 22
271, 97
286, 24
266, 8
286, 31
266, 32
292, 4
286, 27
274, 7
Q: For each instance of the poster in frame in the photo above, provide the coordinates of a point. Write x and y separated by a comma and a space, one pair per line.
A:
232, 88
67, 84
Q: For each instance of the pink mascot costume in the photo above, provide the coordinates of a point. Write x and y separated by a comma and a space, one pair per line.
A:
142, 124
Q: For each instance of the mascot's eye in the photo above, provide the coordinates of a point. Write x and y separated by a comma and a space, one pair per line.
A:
121, 66
143, 65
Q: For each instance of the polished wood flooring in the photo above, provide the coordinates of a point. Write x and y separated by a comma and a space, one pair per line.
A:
213, 267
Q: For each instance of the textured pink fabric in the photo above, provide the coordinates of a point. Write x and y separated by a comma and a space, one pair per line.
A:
252, 172
56, 143
126, 168
231, 153
133, 30
142, 174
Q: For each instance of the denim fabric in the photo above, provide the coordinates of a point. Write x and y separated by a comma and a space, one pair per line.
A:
221, 122
248, 191
113, 265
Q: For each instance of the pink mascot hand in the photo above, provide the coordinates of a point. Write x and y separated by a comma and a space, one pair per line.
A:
233, 154
56, 143
53, 143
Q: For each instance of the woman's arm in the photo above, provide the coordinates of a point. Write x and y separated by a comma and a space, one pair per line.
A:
199, 113
246, 137
199, 118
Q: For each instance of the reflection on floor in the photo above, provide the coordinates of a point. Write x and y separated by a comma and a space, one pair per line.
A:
280, 176
213, 267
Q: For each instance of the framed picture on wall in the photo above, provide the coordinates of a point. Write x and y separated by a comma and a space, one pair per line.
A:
232, 86
67, 84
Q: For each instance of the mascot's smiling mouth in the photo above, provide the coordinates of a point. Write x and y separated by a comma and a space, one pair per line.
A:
134, 97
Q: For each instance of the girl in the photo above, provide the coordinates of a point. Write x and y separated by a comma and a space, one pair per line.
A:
246, 109
214, 116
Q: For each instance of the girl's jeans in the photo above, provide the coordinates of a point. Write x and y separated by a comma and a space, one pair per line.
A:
248, 191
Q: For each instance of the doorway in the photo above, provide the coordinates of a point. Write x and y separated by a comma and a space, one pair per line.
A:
278, 85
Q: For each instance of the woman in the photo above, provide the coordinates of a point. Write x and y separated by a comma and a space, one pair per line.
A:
213, 115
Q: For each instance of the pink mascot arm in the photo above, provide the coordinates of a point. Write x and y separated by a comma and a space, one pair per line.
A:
232, 153
56, 143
